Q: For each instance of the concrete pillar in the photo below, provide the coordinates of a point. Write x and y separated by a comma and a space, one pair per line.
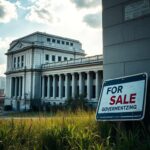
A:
15, 86
19, 88
60, 86
88, 86
54, 86
81, 83
48, 86
66, 86
51, 86
97, 85
73, 85
43, 85
23, 87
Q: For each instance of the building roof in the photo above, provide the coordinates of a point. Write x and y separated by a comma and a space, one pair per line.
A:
46, 34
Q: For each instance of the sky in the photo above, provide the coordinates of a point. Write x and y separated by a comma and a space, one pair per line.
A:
77, 19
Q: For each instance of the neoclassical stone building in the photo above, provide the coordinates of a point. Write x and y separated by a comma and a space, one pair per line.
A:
50, 69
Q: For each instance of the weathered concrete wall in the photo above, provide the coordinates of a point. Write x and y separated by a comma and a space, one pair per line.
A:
126, 42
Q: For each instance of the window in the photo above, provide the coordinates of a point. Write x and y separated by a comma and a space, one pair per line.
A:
63, 42
53, 40
58, 41
47, 57
14, 62
59, 58
67, 43
65, 58
53, 57
22, 61
71, 44
48, 39
18, 62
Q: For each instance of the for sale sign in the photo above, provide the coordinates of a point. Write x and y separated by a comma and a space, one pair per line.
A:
123, 98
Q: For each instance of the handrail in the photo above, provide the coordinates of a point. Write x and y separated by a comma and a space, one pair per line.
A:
82, 60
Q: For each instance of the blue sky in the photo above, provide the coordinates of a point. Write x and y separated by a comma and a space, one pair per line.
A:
78, 19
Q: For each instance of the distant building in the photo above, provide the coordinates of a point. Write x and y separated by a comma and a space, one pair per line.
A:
44, 68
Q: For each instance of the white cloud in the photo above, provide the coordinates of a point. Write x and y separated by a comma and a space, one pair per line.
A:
43, 12
7, 11
4, 45
93, 20
86, 3
2, 69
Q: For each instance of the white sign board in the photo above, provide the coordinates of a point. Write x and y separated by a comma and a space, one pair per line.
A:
137, 9
123, 98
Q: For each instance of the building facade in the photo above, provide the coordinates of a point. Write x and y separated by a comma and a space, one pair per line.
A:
50, 69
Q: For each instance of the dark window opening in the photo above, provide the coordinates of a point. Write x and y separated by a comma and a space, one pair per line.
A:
18, 62
59, 58
53, 57
48, 39
58, 41
71, 44
22, 61
65, 58
67, 43
15, 62
47, 57
53, 40
63, 42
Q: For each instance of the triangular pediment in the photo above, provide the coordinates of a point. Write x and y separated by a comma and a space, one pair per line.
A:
19, 45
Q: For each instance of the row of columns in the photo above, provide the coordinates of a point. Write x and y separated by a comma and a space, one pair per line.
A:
72, 84
17, 87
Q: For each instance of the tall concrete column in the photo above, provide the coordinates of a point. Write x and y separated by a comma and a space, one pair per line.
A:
60, 86
43, 85
23, 87
54, 86
19, 80
48, 86
16, 87
88, 86
66, 86
73, 85
97, 85
80, 83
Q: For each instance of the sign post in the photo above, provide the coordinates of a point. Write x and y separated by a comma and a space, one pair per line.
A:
123, 99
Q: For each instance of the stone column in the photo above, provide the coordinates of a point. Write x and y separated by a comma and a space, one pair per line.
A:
88, 86
66, 86
54, 86
80, 83
97, 85
43, 85
23, 87
19, 88
15, 86
48, 86
73, 85
60, 86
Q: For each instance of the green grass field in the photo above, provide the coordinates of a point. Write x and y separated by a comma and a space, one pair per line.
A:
68, 131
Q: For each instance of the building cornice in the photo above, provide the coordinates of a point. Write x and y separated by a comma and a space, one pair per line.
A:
43, 48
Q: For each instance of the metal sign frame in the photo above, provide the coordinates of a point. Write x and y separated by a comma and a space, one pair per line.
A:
124, 116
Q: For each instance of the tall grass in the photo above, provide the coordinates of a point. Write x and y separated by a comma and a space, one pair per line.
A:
65, 131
